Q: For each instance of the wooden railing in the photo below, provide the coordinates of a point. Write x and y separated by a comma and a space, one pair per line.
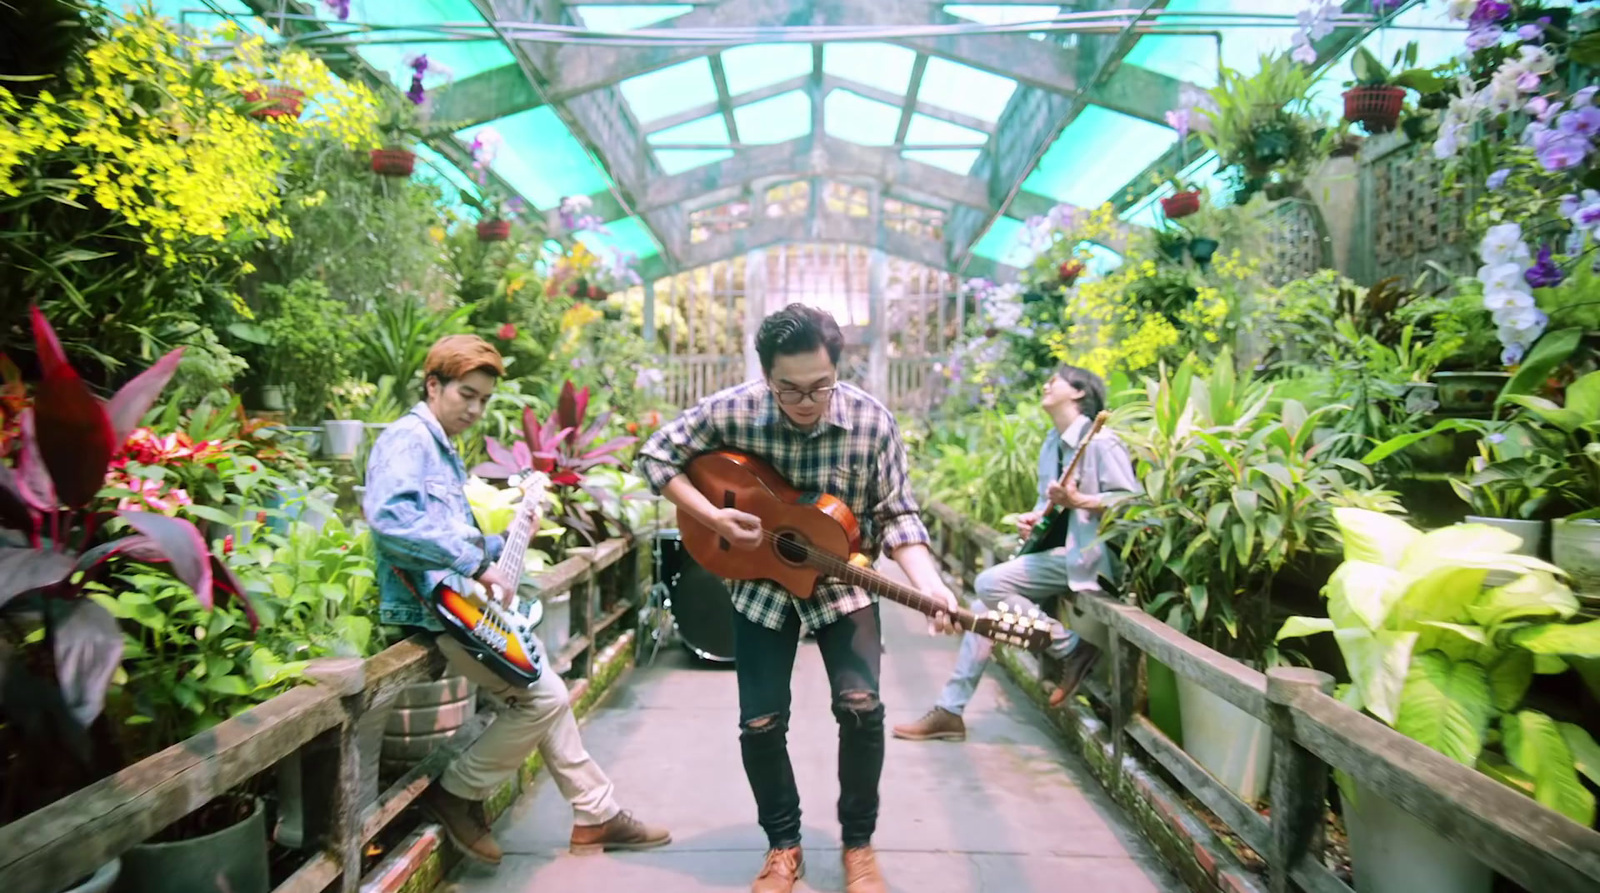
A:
1534, 846
45, 851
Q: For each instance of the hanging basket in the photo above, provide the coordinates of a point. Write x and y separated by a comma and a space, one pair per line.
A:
1377, 109
583, 290
393, 162
1181, 205
494, 230
286, 102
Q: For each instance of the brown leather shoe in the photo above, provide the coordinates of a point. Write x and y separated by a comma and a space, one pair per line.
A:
1074, 669
622, 832
861, 873
937, 724
783, 867
463, 822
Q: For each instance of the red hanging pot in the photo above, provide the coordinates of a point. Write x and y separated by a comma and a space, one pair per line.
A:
1181, 205
286, 102
494, 230
393, 162
1375, 108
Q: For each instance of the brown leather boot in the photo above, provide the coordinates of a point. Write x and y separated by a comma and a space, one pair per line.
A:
622, 832
783, 867
861, 873
1074, 669
463, 822
936, 724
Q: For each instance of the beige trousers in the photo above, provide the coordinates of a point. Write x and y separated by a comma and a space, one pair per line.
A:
539, 717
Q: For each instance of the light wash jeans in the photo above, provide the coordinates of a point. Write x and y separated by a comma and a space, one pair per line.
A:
1031, 577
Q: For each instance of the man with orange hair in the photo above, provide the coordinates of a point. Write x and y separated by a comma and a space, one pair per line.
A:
425, 534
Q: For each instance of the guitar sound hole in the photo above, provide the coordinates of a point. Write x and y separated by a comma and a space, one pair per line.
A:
791, 548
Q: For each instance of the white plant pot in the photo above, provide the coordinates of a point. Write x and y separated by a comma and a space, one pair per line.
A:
272, 397
1235, 747
1391, 851
1575, 548
341, 438
1530, 532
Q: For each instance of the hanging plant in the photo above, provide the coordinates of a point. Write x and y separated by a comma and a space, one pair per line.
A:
494, 230
1376, 98
277, 101
393, 162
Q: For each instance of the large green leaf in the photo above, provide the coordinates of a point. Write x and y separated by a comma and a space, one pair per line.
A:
1378, 664
1446, 705
1360, 592
1551, 350
1534, 744
1373, 536
1443, 594
1585, 752
1509, 679
1296, 627
1459, 545
1561, 639
1531, 596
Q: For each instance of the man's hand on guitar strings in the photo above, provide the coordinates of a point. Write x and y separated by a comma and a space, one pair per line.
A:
500, 589
1026, 522
742, 530
1067, 496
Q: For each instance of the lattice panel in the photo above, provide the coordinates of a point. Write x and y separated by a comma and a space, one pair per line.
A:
1413, 219
1295, 246
787, 199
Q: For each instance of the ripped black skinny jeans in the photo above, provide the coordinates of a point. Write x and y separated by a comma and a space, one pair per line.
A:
764, 661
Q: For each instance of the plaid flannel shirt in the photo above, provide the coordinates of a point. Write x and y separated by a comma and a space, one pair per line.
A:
854, 453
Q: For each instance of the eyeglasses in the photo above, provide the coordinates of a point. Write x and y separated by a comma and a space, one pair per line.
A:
790, 397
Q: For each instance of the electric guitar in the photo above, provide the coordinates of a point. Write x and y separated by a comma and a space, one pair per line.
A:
1051, 531
500, 638
809, 535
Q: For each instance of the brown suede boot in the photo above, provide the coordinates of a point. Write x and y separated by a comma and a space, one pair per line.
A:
936, 724
1074, 669
861, 873
782, 869
622, 832
463, 822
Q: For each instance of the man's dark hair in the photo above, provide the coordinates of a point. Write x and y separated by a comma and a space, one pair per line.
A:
1093, 388
797, 329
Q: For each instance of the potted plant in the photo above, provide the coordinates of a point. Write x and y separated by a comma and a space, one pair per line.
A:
1569, 435
402, 127
1184, 200
1441, 658
1264, 128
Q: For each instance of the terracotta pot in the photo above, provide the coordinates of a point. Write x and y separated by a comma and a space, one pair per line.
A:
393, 162
286, 101
1181, 205
494, 230
1374, 108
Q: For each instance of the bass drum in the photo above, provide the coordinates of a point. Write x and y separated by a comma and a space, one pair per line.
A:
701, 604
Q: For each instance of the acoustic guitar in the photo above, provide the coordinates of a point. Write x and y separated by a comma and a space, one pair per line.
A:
1051, 531
806, 536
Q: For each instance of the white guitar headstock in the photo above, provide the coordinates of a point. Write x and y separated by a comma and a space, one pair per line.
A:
533, 484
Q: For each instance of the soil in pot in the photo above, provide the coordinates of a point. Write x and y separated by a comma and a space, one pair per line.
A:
219, 848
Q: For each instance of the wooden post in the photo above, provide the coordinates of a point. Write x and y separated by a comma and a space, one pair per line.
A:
1124, 683
1299, 779
585, 598
336, 779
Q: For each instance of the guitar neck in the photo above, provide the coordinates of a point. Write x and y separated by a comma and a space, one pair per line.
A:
874, 582
517, 539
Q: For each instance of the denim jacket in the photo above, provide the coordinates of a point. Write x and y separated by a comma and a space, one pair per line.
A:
422, 526
1106, 471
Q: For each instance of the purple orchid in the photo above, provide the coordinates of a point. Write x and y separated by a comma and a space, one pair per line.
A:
1498, 178
341, 8
1490, 11
1544, 273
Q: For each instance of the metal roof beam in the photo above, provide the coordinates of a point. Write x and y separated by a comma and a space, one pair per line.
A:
769, 231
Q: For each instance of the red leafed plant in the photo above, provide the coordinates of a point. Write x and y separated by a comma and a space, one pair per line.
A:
56, 536
563, 447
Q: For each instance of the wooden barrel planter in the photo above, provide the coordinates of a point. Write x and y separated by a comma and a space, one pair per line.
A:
424, 716
393, 162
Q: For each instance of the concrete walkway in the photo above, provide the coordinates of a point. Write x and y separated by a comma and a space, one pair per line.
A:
1008, 811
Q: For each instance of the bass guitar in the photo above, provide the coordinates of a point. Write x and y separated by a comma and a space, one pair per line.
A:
501, 638
806, 536
1051, 531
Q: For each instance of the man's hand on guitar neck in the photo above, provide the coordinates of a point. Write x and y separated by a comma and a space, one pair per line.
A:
1067, 496
500, 589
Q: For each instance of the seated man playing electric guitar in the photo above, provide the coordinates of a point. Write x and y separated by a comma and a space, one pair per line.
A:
1072, 397
425, 533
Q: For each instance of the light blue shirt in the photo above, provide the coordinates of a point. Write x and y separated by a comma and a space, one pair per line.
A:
1106, 471
422, 526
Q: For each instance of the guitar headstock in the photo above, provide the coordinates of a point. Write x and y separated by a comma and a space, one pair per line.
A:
535, 485
1028, 628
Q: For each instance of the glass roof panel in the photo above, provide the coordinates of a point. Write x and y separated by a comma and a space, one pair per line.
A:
1099, 152
1002, 15
775, 119
670, 90
676, 161
461, 58
627, 18
540, 158
851, 116
1206, 171
956, 161
1435, 46
627, 236
926, 130
1004, 243
756, 65
964, 89
711, 130
882, 65
191, 14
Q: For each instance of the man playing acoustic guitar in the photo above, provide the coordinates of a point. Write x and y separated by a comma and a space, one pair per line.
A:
425, 532
1072, 397
821, 435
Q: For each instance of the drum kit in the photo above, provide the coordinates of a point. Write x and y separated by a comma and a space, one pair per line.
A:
685, 602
